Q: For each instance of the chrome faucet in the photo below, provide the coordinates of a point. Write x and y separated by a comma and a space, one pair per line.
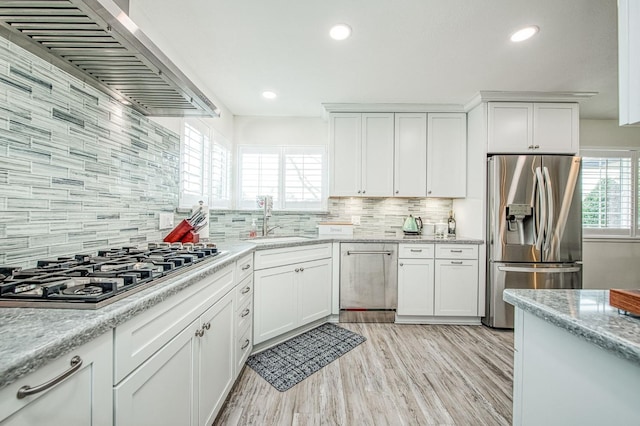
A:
266, 202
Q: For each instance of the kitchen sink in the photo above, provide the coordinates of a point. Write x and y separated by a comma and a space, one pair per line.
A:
276, 240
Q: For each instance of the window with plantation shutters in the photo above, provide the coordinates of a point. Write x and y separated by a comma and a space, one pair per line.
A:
609, 193
293, 176
205, 167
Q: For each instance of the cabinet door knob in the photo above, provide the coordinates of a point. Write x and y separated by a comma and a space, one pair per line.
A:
530, 146
428, 192
301, 269
199, 332
363, 191
536, 147
401, 264
359, 192
297, 269
397, 192
206, 326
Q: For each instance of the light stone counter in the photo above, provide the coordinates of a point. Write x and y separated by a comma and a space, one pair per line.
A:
585, 314
32, 337
382, 238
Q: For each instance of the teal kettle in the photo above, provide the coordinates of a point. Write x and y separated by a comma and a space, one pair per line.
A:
412, 225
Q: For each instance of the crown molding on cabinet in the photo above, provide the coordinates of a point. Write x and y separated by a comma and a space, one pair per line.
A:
500, 96
389, 107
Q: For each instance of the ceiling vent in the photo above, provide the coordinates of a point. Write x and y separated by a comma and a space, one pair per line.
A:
96, 41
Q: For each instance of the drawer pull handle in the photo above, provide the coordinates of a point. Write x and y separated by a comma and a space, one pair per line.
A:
245, 313
416, 250
246, 290
206, 326
76, 363
247, 266
459, 262
245, 345
455, 251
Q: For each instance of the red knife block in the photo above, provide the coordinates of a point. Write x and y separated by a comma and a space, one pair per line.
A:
179, 232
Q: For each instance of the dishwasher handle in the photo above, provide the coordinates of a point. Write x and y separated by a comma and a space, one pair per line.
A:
387, 252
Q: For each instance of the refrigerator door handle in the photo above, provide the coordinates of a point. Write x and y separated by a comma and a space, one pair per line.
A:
550, 208
542, 208
556, 270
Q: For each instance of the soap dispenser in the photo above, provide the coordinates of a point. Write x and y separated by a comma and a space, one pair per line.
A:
253, 232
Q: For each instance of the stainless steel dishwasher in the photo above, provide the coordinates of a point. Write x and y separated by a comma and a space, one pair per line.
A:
368, 282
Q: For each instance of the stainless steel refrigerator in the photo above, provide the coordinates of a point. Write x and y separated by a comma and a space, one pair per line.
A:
534, 228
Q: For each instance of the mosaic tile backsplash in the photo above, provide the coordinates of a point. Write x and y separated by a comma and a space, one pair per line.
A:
377, 215
78, 171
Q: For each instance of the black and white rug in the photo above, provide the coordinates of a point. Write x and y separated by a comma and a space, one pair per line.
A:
290, 362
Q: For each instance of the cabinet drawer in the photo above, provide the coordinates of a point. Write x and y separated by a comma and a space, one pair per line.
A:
244, 267
290, 255
416, 251
244, 291
87, 387
456, 251
244, 346
139, 338
244, 315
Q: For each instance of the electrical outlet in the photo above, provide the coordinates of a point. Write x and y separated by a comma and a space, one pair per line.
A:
166, 220
355, 220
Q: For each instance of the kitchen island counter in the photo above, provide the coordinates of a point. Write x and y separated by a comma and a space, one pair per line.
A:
571, 346
585, 314
33, 337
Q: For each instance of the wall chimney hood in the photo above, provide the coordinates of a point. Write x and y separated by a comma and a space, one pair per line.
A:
97, 42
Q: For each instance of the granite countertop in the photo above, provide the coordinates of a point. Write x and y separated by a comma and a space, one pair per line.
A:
586, 314
278, 241
32, 337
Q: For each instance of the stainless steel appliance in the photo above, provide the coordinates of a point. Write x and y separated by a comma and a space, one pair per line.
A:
90, 282
368, 282
534, 228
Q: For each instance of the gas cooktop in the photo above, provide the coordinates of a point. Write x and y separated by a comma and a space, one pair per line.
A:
92, 281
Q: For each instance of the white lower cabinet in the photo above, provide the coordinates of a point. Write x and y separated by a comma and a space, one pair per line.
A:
162, 391
456, 287
438, 283
415, 279
83, 397
215, 359
186, 381
291, 295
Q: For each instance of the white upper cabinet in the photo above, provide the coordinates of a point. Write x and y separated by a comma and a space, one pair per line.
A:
377, 152
447, 155
361, 149
510, 126
344, 150
629, 61
410, 179
540, 127
400, 154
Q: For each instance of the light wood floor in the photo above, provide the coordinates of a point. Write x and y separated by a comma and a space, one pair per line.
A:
402, 375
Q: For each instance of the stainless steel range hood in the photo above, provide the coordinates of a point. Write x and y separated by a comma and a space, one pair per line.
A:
96, 41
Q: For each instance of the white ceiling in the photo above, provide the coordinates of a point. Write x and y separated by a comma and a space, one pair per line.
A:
401, 51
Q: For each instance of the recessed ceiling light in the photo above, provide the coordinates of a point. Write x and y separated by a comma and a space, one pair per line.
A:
340, 32
524, 33
268, 94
